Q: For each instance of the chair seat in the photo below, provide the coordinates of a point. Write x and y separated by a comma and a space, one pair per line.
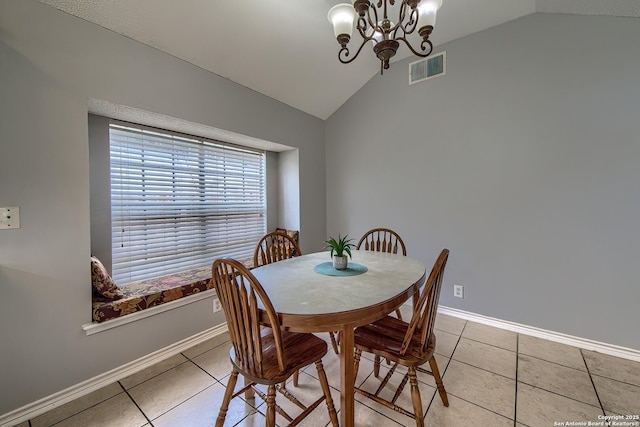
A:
299, 349
385, 337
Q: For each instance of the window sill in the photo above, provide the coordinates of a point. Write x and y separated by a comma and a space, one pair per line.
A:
95, 327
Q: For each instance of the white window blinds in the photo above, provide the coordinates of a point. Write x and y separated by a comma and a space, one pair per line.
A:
179, 202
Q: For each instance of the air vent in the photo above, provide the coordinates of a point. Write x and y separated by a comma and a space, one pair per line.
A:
428, 68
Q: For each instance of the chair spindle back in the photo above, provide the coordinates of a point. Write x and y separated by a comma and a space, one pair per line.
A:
424, 313
382, 240
274, 247
239, 292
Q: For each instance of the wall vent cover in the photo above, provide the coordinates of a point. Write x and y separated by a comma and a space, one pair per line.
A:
428, 68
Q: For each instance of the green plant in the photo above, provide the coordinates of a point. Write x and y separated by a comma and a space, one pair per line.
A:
339, 247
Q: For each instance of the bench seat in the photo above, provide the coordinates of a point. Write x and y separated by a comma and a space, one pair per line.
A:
148, 293
152, 292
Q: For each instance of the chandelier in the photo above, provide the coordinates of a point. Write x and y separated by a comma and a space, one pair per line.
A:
374, 25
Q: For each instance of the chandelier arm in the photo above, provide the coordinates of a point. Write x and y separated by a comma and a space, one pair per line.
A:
361, 26
423, 54
411, 26
344, 52
372, 23
397, 27
427, 41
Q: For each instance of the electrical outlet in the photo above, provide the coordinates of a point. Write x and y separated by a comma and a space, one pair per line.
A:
9, 218
458, 291
216, 305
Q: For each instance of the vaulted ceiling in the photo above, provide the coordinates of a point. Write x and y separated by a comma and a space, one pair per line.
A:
286, 49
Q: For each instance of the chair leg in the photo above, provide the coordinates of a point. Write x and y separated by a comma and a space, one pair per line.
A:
334, 343
377, 358
283, 384
436, 375
415, 397
327, 393
356, 363
399, 314
271, 406
249, 394
376, 366
231, 385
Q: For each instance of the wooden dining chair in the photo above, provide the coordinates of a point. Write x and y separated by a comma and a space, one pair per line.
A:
408, 344
267, 356
278, 246
273, 247
383, 240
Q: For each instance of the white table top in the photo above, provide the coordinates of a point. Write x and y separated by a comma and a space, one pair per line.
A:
295, 288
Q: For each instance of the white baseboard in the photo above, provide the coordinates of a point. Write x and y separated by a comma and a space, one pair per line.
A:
55, 400
600, 347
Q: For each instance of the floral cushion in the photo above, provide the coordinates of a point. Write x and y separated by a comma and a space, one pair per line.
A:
294, 234
152, 292
102, 283
149, 293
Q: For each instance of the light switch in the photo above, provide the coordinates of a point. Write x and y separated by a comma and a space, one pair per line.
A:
9, 218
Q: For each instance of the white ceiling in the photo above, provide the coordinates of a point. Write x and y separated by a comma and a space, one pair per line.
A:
286, 49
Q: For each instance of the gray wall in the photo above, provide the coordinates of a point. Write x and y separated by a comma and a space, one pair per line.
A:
51, 64
522, 160
288, 216
273, 185
100, 189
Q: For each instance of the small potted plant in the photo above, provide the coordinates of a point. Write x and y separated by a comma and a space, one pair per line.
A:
339, 250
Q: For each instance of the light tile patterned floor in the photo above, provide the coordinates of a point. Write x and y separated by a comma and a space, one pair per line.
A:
493, 378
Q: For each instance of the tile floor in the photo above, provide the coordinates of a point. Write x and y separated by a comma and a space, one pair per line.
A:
493, 378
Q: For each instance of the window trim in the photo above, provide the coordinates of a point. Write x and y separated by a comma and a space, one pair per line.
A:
95, 327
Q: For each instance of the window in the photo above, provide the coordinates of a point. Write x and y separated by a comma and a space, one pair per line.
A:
178, 202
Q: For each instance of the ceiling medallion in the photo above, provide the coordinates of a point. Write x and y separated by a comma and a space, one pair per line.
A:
373, 24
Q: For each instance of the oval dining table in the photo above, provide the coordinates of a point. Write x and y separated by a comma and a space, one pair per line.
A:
311, 301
